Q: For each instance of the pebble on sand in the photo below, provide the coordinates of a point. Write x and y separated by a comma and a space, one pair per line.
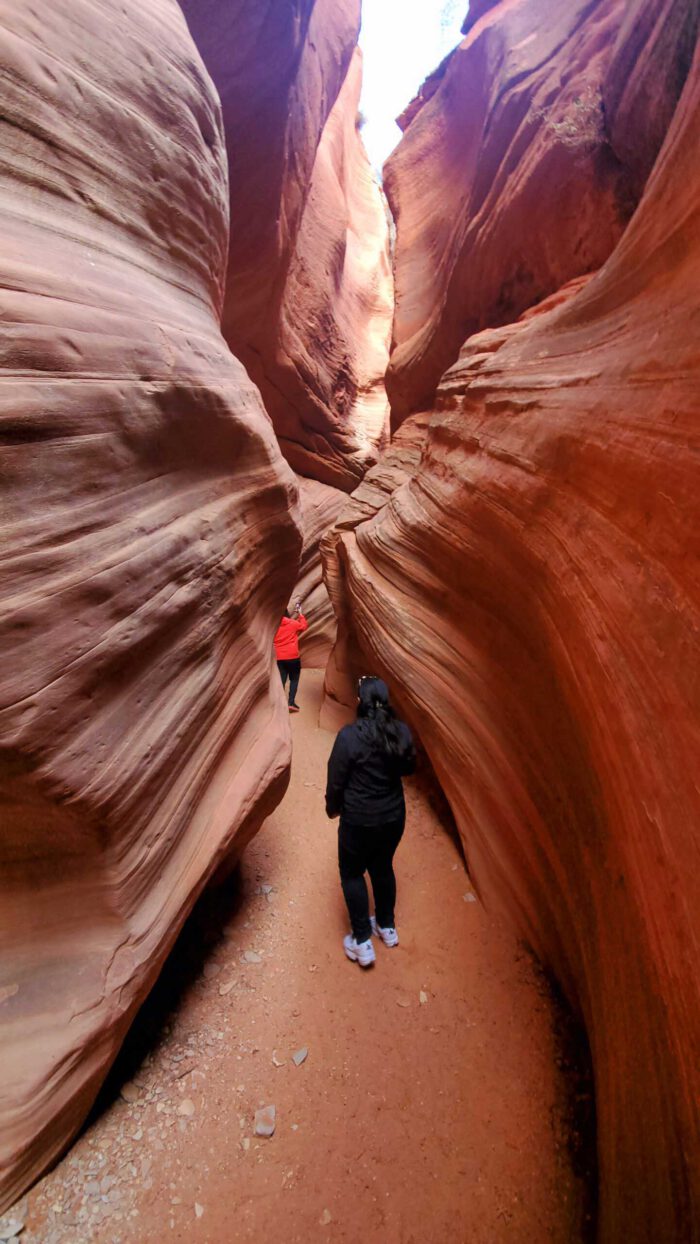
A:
325, 1218
10, 1228
130, 1091
187, 1107
300, 1056
265, 1121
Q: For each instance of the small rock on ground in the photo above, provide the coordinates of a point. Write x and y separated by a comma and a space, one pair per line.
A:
265, 1121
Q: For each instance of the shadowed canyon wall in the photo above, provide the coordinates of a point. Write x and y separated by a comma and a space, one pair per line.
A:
149, 545
523, 158
309, 293
530, 588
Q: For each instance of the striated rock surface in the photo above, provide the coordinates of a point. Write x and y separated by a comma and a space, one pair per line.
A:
645, 77
346, 662
509, 182
278, 70
533, 594
309, 295
147, 545
320, 507
325, 391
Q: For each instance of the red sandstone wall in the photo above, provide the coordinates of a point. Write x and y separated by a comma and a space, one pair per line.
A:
505, 185
148, 545
645, 77
533, 594
309, 290
320, 508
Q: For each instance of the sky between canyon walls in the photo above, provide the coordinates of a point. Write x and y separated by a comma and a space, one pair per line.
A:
402, 42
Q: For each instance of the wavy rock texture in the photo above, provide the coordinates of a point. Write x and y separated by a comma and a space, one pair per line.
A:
505, 185
649, 66
320, 507
534, 594
148, 545
309, 298
346, 662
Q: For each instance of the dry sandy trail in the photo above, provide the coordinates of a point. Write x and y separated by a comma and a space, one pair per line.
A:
410, 1122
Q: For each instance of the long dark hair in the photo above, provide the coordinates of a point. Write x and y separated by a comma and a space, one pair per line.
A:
375, 709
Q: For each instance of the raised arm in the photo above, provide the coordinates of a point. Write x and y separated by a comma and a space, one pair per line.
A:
299, 620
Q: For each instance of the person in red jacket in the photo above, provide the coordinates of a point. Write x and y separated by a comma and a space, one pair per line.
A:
287, 651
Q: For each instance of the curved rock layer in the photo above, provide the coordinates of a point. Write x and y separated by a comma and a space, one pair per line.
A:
325, 389
309, 290
320, 508
534, 594
508, 182
346, 662
148, 545
649, 66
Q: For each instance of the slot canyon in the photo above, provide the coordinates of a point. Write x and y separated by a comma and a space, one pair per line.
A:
451, 410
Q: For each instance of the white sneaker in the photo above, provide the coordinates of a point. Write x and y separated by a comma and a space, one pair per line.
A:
389, 936
359, 952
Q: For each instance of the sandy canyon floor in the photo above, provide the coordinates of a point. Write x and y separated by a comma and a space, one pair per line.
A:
430, 1105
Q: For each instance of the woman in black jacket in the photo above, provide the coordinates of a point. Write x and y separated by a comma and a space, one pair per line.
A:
365, 768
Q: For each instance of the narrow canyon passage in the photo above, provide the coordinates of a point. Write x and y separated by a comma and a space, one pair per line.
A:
428, 1108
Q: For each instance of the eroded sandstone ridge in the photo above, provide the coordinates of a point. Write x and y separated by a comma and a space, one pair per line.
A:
523, 158
531, 590
309, 292
148, 544
320, 508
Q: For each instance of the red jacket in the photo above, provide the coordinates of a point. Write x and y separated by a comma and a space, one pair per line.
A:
287, 637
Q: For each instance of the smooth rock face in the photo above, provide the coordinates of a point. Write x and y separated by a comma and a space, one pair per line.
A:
320, 507
533, 594
148, 545
309, 294
505, 185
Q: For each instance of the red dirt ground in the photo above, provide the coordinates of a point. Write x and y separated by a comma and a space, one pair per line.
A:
429, 1108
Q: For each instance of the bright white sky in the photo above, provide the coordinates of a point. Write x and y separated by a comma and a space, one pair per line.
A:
402, 42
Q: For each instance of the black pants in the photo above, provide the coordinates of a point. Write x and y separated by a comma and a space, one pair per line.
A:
369, 850
292, 670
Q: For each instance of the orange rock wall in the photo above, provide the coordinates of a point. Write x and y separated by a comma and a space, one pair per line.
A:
505, 185
533, 595
320, 508
309, 291
148, 545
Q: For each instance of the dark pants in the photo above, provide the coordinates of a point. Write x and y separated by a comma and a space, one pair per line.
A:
292, 670
372, 851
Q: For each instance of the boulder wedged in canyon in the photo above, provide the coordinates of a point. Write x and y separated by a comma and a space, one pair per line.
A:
320, 507
309, 292
533, 595
149, 545
507, 183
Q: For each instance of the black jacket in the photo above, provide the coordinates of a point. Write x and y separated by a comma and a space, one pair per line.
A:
364, 785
